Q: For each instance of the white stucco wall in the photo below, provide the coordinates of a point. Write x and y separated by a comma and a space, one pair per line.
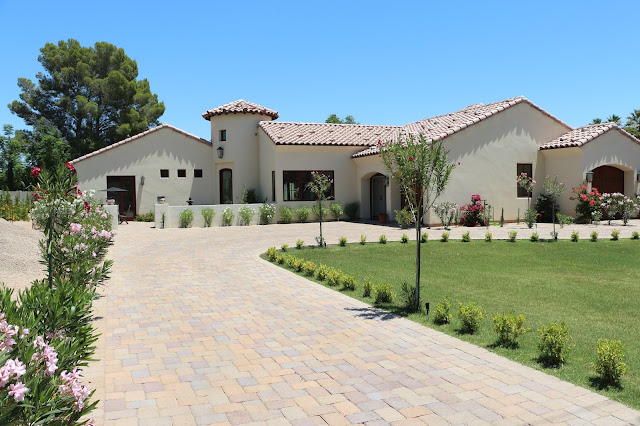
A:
172, 215
145, 156
241, 152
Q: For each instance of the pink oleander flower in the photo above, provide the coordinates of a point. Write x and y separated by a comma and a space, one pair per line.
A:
47, 354
71, 386
106, 234
75, 228
18, 391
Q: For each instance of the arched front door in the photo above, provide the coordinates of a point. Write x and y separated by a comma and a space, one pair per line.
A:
608, 179
378, 195
226, 186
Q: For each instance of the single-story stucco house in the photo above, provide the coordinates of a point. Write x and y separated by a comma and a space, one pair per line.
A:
249, 148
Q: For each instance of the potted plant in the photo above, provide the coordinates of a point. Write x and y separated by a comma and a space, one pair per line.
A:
111, 201
383, 217
161, 199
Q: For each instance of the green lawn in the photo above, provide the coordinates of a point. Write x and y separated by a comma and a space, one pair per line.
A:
593, 287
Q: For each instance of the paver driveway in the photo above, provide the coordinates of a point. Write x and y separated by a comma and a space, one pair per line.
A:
198, 329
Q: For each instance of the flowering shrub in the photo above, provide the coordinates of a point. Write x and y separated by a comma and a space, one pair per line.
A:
267, 212
404, 218
336, 210
530, 217
617, 203
527, 183
208, 214
471, 214
186, 218
246, 214
446, 212
588, 202
227, 216
320, 186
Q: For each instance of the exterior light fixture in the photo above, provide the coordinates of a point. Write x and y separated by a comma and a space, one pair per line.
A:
220, 152
590, 177
386, 181
427, 306
141, 180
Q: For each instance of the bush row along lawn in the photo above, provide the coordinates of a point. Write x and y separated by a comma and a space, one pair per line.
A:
592, 287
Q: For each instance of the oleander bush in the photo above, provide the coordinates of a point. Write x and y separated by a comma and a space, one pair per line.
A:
227, 216
267, 212
246, 214
208, 214
186, 218
404, 218
286, 214
303, 213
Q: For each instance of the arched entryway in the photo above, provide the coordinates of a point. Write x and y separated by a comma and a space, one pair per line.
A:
378, 185
608, 179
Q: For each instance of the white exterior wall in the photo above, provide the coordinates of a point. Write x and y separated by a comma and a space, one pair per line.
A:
172, 215
163, 149
241, 152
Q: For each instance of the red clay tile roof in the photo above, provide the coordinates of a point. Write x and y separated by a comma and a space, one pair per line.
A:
138, 136
436, 128
240, 107
287, 133
584, 134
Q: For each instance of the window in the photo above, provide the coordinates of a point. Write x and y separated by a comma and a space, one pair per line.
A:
164, 173
182, 173
273, 186
528, 169
295, 185
197, 173
223, 135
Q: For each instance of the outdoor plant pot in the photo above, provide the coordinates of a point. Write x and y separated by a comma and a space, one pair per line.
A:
161, 200
383, 218
111, 201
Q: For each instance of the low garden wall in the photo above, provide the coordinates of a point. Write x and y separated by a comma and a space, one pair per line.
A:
172, 214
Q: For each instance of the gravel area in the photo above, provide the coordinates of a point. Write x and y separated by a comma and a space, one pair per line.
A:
19, 258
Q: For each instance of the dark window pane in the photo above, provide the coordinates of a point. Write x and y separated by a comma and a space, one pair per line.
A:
182, 173
164, 173
197, 173
295, 185
223, 135
528, 169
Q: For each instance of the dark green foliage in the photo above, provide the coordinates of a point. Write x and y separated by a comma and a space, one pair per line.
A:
249, 196
509, 327
544, 207
286, 214
334, 119
351, 210
383, 293
12, 167
146, 217
186, 218
609, 365
442, 314
470, 317
409, 297
554, 344
91, 94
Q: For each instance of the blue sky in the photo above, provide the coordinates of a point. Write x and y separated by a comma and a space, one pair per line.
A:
382, 62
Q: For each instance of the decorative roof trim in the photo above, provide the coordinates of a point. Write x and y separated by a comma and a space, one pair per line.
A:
240, 107
585, 134
140, 135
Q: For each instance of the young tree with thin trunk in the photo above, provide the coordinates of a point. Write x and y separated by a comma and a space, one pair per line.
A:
320, 186
421, 168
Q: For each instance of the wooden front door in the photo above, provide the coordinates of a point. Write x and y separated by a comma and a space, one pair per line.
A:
608, 179
226, 186
378, 195
126, 200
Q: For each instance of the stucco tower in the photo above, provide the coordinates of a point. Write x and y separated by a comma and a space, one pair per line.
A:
234, 135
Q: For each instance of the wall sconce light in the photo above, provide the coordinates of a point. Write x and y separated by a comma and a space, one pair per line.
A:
141, 180
589, 177
220, 151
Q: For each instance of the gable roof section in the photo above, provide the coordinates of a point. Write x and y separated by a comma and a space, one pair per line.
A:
582, 135
140, 135
240, 107
324, 134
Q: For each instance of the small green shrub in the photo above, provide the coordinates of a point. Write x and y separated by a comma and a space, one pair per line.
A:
563, 220
290, 260
303, 213
299, 244
512, 236
470, 316
334, 277
351, 210
208, 214
249, 196
383, 293
336, 210
442, 313
349, 282
246, 214
343, 241
298, 264
409, 297
316, 212
284, 247
227, 216
272, 254
615, 234
382, 239
281, 258
488, 237
509, 327
466, 237
530, 217
575, 236
445, 237
286, 214
609, 365
186, 218
147, 217
367, 286
163, 220
404, 239
534, 237
404, 218
554, 344
424, 237
309, 268
322, 272
267, 212
363, 239
635, 235
594, 236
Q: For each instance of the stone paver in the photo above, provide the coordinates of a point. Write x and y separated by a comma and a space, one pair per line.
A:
197, 329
